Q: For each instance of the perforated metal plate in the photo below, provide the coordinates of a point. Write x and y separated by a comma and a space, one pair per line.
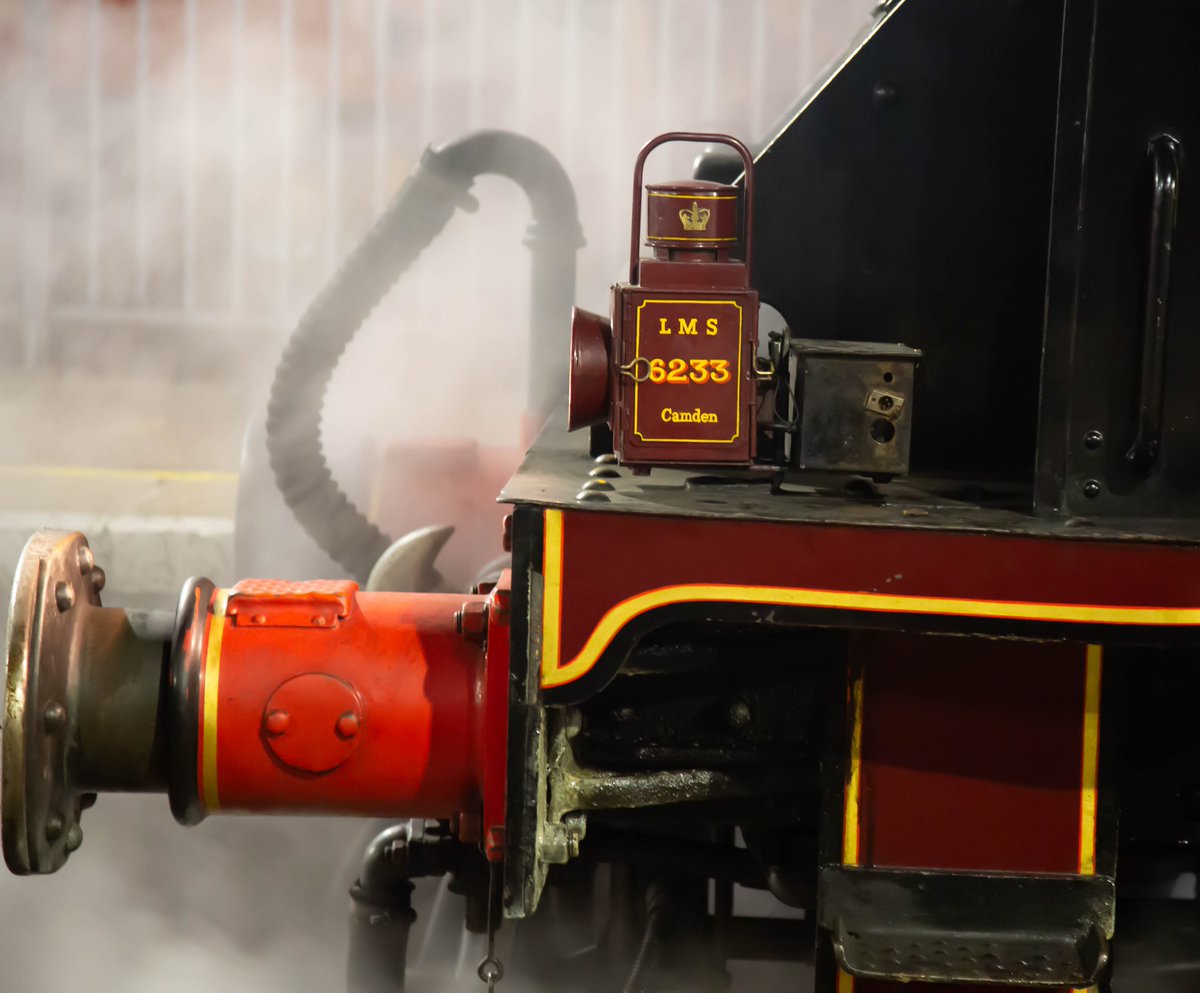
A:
1049, 931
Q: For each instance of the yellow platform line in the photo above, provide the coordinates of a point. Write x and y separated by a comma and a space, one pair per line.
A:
101, 472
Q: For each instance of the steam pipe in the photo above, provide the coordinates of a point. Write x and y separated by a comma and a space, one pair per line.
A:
419, 212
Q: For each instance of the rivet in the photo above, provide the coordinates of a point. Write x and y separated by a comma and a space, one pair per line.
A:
277, 722
319, 621
258, 619
1093, 440
885, 93
98, 578
597, 484
74, 837
604, 472
347, 725
591, 496
1091, 489
608, 458
739, 714
86, 559
54, 718
64, 596
54, 827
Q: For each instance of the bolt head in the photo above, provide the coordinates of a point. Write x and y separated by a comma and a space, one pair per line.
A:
739, 714
86, 559
64, 596
74, 837
471, 620
347, 725
98, 578
1091, 489
54, 827
277, 722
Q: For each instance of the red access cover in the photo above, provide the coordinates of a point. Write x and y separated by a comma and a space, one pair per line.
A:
312, 722
278, 603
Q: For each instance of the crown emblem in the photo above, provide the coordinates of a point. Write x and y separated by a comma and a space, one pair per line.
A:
695, 219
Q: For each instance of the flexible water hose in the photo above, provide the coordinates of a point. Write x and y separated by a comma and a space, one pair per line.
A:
417, 214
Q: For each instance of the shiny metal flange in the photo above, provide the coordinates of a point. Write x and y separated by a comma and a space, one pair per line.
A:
56, 584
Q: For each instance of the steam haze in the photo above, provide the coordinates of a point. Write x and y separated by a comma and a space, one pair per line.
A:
177, 181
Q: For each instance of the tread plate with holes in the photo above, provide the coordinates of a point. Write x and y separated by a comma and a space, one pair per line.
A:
1050, 931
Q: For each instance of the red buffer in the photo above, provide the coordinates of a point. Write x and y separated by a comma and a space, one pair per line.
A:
271, 697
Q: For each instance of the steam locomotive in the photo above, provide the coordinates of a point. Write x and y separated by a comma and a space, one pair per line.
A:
887, 614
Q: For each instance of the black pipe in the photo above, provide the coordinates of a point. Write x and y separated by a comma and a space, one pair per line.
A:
646, 962
419, 212
380, 917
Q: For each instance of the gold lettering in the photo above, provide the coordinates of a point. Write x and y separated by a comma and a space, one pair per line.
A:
696, 416
687, 326
711, 326
662, 326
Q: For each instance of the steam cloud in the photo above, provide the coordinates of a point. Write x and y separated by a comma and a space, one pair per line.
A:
177, 179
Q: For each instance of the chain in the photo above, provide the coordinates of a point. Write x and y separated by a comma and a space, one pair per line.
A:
491, 969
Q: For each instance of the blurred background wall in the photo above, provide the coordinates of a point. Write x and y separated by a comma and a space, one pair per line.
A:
177, 180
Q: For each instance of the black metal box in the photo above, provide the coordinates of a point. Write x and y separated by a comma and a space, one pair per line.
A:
853, 406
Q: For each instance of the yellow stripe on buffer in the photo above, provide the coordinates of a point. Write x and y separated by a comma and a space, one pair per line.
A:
212, 675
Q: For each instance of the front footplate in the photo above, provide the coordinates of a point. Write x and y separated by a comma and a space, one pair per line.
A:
1018, 930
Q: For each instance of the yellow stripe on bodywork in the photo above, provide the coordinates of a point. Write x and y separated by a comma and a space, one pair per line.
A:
622, 613
1091, 760
552, 559
212, 675
850, 814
